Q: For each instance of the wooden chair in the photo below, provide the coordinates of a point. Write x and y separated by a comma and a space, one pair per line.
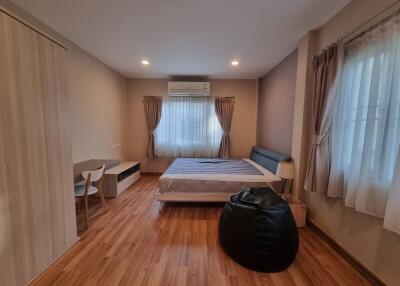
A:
83, 191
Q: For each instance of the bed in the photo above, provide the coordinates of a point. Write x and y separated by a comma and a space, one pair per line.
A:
215, 180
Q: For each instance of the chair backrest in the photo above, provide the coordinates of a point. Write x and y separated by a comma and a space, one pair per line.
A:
95, 175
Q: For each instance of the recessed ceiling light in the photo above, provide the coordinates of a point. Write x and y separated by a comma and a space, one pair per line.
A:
235, 63
145, 62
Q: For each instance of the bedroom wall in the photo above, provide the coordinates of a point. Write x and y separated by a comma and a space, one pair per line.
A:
361, 235
243, 131
276, 106
98, 97
98, 100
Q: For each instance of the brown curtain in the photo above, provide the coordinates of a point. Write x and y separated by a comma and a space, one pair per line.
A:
152, 109
326, 68
224, 110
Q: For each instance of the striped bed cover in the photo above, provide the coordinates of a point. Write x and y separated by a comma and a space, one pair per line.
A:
211, 166
204, 175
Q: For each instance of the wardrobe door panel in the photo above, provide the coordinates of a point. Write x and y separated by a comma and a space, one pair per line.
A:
36, 186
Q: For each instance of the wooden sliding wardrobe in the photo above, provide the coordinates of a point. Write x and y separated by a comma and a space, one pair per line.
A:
37, 212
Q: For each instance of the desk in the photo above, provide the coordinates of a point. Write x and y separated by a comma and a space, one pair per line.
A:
90, 165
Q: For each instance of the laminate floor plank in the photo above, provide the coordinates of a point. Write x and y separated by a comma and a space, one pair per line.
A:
137, 243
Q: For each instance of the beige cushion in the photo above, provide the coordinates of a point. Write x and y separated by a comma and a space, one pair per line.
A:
80, 190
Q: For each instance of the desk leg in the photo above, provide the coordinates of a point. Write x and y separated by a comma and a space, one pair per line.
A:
161, 206
103, 200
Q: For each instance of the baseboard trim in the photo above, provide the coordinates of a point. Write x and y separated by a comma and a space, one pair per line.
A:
53, 262
371, 277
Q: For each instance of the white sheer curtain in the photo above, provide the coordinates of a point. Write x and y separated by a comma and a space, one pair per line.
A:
188, 127
365, 132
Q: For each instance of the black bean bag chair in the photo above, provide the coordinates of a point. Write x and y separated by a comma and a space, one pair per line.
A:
257, 230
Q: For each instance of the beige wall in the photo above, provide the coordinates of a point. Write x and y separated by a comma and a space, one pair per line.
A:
361, 235
302, 111
98, 98
243, 131
276, 106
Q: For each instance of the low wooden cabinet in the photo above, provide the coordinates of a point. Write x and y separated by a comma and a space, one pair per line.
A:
119, 178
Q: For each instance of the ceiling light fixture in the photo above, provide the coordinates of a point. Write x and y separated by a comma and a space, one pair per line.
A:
145, 62
235, 63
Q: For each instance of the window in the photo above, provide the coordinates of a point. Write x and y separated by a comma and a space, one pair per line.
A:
188, 127
371, 117
365, 132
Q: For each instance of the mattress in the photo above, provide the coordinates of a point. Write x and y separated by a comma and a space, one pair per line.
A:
203, 175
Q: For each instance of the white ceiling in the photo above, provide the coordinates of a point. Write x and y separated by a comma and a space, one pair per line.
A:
185, 37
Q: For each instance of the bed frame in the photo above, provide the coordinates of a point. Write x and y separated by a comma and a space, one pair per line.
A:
191, 197
267, 159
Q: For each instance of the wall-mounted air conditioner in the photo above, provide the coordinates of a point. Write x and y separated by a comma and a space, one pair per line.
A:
187, 88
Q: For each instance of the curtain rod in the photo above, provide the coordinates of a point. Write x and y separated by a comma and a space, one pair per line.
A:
371, 19
386, 19
368, 21
192, 96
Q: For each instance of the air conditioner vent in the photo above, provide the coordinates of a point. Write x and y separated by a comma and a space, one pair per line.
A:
185, 88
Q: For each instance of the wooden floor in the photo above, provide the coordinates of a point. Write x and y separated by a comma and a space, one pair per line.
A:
134, 244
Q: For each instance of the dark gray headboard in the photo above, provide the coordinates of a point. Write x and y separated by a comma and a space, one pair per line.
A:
268, 159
